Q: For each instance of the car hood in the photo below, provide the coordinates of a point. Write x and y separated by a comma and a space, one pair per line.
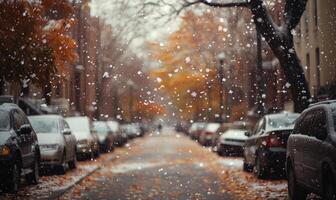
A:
4, 137
49, 138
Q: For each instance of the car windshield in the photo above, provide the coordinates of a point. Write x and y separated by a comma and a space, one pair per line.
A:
282, 121
44, 125
4, 120
101, 128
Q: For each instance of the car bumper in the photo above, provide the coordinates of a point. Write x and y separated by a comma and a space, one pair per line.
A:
234, 149
53, 157
275, 159
83, 149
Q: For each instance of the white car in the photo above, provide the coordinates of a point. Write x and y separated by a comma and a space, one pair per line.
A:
87, 138
231, 142
57, 143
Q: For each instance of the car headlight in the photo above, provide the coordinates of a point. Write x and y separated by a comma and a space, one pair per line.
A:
5, 151
48, 147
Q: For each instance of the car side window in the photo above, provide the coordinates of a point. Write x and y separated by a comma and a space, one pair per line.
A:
304, 124
260, 125
319, 126
18, 120
66, 125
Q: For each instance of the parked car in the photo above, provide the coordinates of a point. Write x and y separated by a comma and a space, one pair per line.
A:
207, 135
131, 130
220, 131
105, 136
19, 148
311, 153
196, 129
265, 149
231, 142
182, 127
120, 137
86, 137
57, 143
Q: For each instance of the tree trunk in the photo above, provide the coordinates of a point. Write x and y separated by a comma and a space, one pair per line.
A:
47, 93
295, 77
2, 92
280, 39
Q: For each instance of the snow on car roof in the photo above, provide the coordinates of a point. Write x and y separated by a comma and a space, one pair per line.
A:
235, 134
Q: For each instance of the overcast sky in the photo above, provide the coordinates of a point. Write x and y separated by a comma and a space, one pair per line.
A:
144, 26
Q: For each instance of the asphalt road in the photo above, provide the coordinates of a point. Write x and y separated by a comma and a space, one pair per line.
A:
165, 166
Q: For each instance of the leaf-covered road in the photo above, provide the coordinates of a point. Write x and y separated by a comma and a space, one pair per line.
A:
171, 166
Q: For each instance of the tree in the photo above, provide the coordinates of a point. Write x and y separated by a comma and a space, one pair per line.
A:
188, 72
34, 45
280, 40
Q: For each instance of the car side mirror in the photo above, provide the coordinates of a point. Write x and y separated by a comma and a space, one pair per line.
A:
67, 131
248, 133
25, 129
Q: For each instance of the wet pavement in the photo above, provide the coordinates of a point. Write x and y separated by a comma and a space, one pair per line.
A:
172, 166
157, 167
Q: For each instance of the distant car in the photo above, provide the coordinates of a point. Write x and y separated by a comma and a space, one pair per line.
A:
87, 138
19, 149
57, 143
131, 130
231, 142
311, 153
207, 135
265, 149
105, 136
120, 137
182, 127
196, 129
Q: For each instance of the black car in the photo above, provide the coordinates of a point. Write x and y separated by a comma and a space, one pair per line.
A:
265, 149
311, 155
19, 149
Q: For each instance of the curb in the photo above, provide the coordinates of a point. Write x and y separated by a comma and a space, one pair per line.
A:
58, 193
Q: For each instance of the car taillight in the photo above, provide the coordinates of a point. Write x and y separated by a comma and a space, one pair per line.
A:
274, 141
208, 133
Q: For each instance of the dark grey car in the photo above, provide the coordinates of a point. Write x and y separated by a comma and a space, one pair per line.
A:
311, 155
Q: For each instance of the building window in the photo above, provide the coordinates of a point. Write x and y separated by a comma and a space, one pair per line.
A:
318, 70
315, 14
308, 66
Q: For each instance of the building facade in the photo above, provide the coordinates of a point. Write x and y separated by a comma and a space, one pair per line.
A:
315, 44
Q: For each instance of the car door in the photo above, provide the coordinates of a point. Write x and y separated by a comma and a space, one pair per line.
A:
313, 149
302, 130
251, 142
72, 137
67, 140
26, 139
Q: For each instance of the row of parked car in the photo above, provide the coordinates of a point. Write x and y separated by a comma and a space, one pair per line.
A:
300, 146
29, 144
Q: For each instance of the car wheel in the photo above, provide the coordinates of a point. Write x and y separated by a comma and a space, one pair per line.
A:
247, 167
14, 179
260, 171
33, 177
295, 192
329, 188
73, 163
